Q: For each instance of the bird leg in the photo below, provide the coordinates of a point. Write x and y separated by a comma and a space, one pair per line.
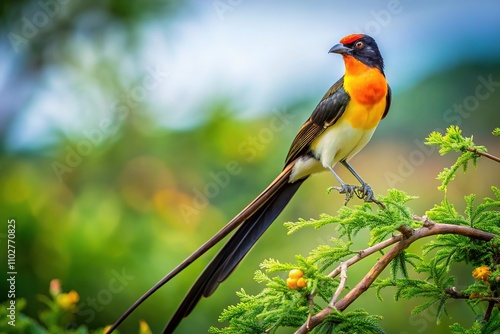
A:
363, 192
348, 189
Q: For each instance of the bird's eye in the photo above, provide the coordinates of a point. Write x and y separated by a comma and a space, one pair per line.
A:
359, 45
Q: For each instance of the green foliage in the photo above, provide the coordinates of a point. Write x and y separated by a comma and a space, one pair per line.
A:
398, 265
325, 255
380, 222
480, 327
57, 318
475, 329
456, 248
22, 323
357, 321
454, 141
278, 305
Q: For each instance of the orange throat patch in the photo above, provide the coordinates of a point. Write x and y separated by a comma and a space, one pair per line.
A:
364, 84
367, 88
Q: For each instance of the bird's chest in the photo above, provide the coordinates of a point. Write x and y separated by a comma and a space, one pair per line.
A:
368, 93
365, 116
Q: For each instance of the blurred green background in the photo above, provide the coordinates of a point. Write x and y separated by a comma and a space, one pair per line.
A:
130, 132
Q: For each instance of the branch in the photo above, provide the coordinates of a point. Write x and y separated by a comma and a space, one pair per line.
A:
340, 288
484, 154
366, 252
456, 294
430, 228
487, 314
453, 293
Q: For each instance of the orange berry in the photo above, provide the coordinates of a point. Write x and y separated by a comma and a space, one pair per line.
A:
291, 283
301, 282
295, 273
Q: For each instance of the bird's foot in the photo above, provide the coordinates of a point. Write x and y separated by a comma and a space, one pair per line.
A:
365, 193
349, 190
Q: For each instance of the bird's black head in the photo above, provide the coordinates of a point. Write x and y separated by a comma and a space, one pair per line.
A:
362, 47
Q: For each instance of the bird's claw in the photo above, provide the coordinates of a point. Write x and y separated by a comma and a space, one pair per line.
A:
348, 189
363, 192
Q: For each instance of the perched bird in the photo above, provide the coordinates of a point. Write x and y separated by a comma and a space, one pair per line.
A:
340, 126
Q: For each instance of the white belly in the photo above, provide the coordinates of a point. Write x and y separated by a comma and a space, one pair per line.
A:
339, 142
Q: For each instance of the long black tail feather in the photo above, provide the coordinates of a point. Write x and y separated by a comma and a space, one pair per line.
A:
231, 254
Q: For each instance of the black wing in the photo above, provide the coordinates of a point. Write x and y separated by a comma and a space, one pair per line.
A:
327, 112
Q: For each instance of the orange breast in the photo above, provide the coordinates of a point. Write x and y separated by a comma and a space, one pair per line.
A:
367, 88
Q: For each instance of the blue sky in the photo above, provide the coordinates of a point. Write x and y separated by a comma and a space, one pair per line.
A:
257, 53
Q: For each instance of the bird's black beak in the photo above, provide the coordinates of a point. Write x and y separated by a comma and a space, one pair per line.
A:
340, 48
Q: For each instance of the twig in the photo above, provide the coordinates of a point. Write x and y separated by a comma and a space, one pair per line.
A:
484, 154
487, 314
366, 252
458, 295
405, 230
311, 306
360, 255
430, 228
455, 294
341, 287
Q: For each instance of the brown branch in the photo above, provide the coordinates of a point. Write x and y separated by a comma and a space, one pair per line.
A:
311, 306
406, 231
484, 154
341, 287
453, 293
430, 228
360, 255
424, 219
487, 314
456, 294
366, 252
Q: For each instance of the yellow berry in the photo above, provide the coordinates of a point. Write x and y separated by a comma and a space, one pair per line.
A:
295, 273
291, 283
301, 282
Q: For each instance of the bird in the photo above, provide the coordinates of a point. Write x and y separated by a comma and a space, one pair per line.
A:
339, 127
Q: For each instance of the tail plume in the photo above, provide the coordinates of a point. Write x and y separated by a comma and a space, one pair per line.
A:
272, 201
